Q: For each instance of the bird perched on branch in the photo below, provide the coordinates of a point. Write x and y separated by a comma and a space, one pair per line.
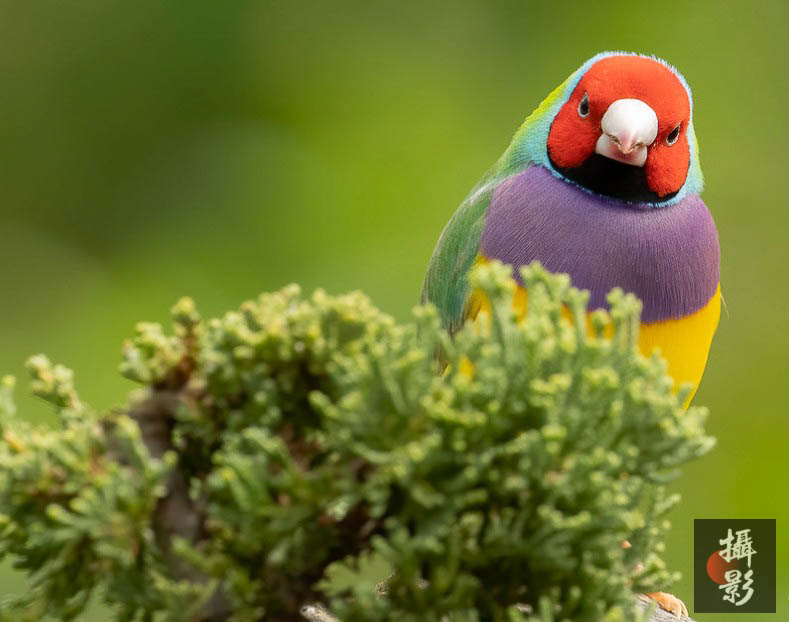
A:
602, 182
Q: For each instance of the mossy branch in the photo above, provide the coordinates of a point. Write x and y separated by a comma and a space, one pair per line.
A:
645, 606
278, 453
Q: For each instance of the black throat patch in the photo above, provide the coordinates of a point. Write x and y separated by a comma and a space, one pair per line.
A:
613, 179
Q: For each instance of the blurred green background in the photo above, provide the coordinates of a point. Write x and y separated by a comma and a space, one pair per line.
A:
150, 150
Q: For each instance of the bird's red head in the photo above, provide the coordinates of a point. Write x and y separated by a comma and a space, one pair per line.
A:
623, 131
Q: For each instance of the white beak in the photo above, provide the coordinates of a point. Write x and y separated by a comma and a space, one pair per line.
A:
629, 127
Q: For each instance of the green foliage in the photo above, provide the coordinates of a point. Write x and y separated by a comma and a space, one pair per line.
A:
316, 434
76, 502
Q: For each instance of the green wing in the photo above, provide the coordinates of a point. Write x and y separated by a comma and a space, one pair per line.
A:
446, 282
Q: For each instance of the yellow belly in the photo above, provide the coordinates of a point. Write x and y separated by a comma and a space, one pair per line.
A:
684, 343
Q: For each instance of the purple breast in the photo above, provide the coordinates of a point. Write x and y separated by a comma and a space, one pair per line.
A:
669, 257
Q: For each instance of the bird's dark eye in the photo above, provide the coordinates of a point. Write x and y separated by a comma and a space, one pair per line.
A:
673, 135
583, 106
